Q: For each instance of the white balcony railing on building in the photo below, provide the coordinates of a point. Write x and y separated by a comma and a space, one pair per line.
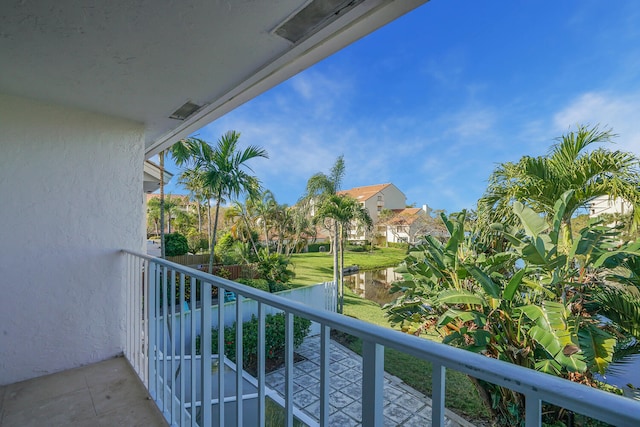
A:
161, 347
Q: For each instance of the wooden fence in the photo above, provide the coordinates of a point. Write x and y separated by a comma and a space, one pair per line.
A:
190, 259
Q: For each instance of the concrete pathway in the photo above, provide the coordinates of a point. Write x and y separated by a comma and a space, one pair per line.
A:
403, 405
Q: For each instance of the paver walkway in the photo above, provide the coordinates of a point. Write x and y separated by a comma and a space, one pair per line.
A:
403, 405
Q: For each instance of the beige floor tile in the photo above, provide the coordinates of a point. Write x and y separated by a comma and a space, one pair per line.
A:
142, 414
117, 392
28, 393
63, 410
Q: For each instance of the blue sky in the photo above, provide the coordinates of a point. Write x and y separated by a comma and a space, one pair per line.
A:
433, 101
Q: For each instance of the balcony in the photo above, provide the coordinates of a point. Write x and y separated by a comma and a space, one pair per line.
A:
161, 349
165, 367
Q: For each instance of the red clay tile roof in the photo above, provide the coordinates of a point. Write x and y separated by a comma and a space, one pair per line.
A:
364, 193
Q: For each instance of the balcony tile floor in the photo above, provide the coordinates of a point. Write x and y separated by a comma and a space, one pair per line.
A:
403, 405
108, 393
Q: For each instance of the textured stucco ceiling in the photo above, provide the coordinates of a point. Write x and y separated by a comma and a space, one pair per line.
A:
143, 59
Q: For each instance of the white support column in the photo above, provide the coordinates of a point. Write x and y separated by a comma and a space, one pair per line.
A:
325, 358
239, 357
205, 334
533, 411
288, 356
438, 381
372, 384
261, 365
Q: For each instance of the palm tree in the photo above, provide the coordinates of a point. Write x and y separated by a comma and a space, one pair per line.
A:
538, 182
320, 187
345, 211
182, 152
224, 174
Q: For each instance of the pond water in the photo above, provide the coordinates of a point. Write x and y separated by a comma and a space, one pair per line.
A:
373, 285
625, 373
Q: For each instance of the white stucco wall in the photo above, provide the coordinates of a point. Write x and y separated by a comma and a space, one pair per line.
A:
70, 199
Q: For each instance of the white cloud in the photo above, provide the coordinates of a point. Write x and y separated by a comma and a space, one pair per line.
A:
619, 112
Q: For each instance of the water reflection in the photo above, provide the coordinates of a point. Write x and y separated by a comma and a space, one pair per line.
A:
373, 285
624, 373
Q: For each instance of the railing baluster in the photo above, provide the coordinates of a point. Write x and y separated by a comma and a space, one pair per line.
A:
239, 365
181, 367
165, 337
288, 357
205, 333
146, 331
261, 365
533, 411
193, 286
221, 364
153, 334
172, 336
372, 384
325, 357
438, 381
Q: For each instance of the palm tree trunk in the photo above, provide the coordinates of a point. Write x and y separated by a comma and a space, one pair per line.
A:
335, 258
213, 235
161, 156
341, 268
209, 221
199, 216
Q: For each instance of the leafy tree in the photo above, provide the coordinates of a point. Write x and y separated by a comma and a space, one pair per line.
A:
176, 244
197, 242
535, 305
538, 182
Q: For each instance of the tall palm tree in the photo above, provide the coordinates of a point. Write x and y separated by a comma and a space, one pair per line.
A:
320, 187
182, 152
224, 173
346, 212
538, 182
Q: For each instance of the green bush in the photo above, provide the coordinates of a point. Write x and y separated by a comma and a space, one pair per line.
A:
175, 244
274, 267
274, 339
261, 284
355, 248
278, 286
315, 247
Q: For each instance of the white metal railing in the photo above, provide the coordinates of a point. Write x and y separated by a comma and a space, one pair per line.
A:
154, 322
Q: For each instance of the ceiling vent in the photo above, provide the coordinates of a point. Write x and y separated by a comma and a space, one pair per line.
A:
187, 109
313, 17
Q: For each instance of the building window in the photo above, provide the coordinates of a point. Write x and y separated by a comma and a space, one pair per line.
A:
379, 198
379, 208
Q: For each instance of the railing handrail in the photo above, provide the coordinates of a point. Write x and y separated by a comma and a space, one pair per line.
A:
573, 396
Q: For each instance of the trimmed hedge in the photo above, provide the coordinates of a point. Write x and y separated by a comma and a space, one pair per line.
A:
261, 284
274, 339
315, 247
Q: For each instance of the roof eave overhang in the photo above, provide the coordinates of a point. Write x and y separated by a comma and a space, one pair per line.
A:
355, 24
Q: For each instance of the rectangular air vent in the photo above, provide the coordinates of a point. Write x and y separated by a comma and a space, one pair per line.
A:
187, 109
313, 17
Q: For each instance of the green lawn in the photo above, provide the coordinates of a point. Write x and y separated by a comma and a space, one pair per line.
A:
317, 267
311, 268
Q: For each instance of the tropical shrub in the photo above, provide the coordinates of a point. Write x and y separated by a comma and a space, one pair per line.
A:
261, 284
274, 267
197, 242
274, 339
175, 244
534, 305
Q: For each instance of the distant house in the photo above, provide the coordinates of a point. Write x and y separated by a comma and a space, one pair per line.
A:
606, 205
405, 226
402, 225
